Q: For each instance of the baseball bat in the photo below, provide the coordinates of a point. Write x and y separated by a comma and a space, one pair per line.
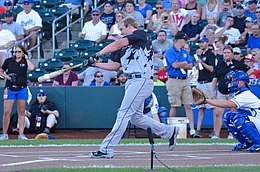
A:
57, 73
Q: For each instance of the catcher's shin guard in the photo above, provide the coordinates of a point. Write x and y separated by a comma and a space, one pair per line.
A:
248, 129
227, 121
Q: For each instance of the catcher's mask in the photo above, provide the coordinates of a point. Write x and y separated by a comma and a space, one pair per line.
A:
232, 79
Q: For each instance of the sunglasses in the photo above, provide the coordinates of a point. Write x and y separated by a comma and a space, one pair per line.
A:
236, 53
41, 95
26, 4
159, 7
155, 73
257, 12
98, 76
17, 51
8, 5
95, 14
119, 16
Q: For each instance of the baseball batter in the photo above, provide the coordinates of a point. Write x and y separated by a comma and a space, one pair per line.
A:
137, 64
244, 124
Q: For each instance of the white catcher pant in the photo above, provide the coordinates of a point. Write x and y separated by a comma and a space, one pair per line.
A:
136, 91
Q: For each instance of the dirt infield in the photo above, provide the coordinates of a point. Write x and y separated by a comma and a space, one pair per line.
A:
17, 158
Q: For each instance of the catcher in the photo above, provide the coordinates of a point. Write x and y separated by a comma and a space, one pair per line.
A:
244, 123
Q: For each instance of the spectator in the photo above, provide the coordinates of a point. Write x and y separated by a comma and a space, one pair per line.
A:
193, 28
249, 61
161, 44
31, 22
178, 85
7, 39
68, 78
42, 115
222, 68
211, 38
179, 16
219, 44
167, 25
145, 9
14, 70
240, 18
232, 34
156, 18
156, 81
192, 6
211, 20
119, 5
163, 73
254, 41
14, 27
225, 10
130, 11
238, 54
212, 7
257, 12
88, 74
205, 64
108, 17
95, 29
98, 80
256, 53
8, 7
115, 33
248, 32
251, 11
121, 78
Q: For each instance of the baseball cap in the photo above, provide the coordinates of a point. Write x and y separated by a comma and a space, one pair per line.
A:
8, 2
237, 50
240, 6
8, 14
248, 19
181, 35
250, 57
95, 10
27, 1
252, 1
203, 39
41, 91
108, 2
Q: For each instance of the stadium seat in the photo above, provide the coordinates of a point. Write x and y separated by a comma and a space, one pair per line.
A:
193, 47
82, 45
51, 3
17, 9
66, 54
47, 19
75, 62
34, 74
203, 23
152, 33
243, 49
51, 65
58, 11
88, 53
40, 9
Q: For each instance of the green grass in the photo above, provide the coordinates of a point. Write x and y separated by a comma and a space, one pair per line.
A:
181, 169
12, 142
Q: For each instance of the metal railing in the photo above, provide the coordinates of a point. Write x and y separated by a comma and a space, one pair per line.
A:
67, 28
37, 45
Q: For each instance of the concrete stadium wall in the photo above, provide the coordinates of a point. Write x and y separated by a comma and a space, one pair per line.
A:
96, 107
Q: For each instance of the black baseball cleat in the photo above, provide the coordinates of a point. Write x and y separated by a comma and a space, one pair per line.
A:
172, 140
99, 154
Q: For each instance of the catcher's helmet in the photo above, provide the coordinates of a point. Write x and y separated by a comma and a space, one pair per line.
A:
233, 77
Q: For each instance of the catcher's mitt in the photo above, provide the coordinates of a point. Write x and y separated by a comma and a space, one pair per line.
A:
199, 97
41, 136
44, 136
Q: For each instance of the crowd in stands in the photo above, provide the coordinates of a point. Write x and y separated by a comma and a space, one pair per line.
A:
221, 36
